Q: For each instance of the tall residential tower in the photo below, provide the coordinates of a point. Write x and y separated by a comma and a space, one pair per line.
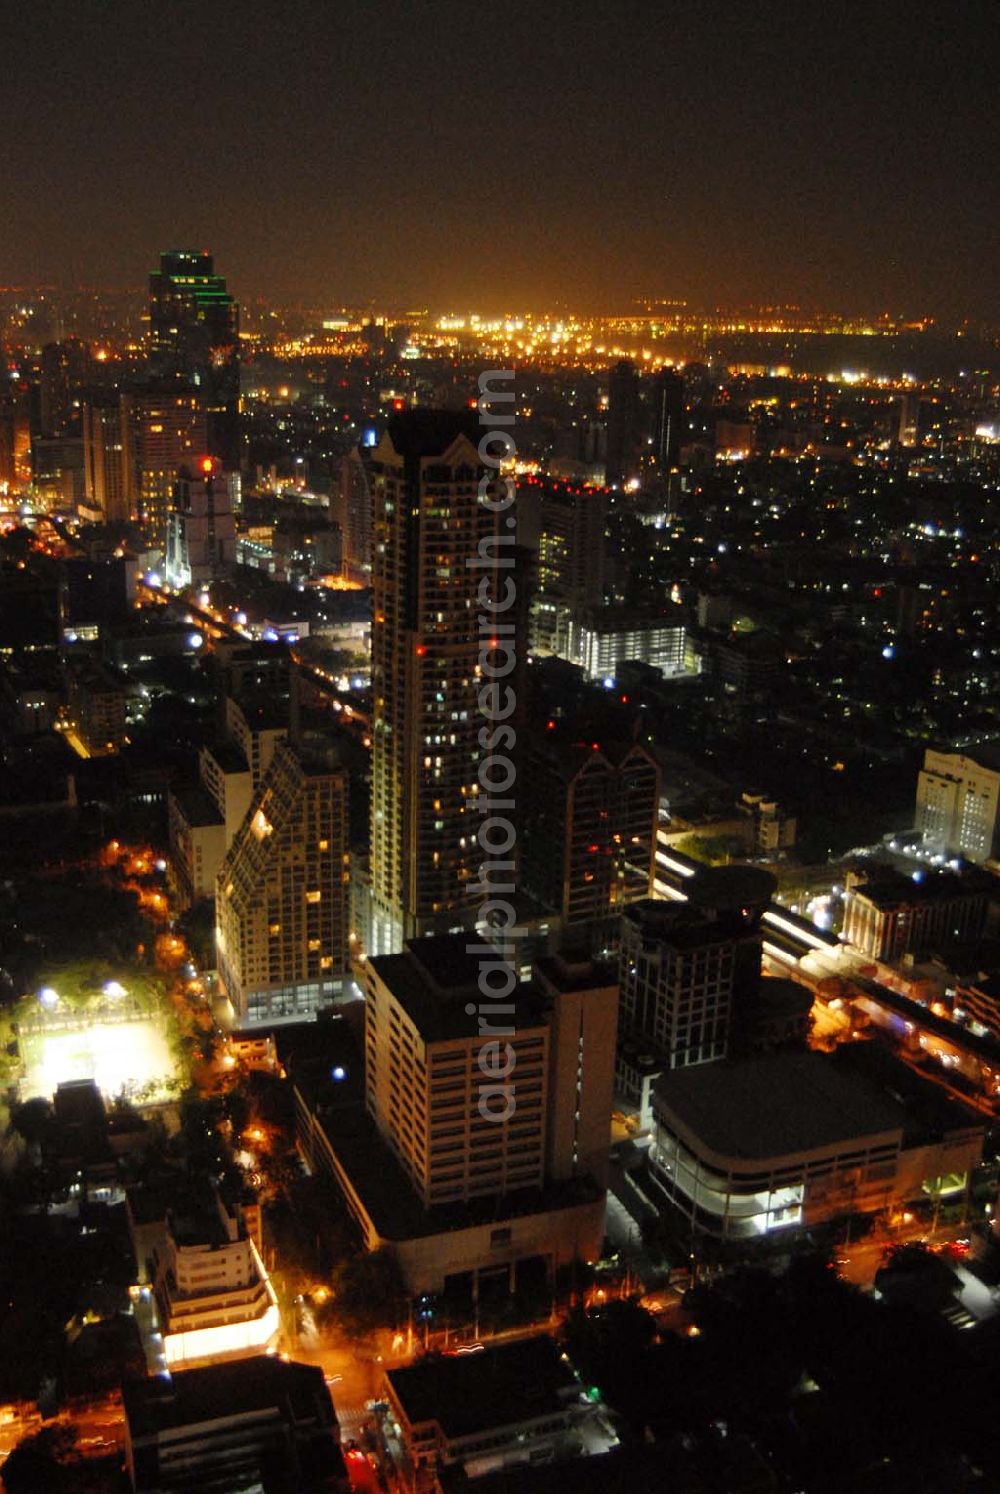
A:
430, 527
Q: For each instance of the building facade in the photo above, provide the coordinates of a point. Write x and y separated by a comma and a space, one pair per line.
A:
958, 800
194, 342
590, 818
431, 552
201, 529
162, 431
281, 894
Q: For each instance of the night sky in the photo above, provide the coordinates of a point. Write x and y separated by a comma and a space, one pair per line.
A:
523, 153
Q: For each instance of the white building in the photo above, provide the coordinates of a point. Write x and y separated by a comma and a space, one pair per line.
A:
958, 798
601, 641
208, 1292
201, 529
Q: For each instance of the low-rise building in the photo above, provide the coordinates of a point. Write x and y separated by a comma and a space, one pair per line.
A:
251, 1424
203, 1288
891, 915
519, 1403
792, 1140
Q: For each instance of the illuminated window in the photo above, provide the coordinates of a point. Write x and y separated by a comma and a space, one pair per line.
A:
261, 825
313, 897
324, 845
274, 928
313, 946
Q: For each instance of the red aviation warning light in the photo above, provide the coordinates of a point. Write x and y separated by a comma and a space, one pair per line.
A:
207, 465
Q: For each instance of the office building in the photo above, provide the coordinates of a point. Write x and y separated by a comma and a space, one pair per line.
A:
958, 799
256, 1423
685, 970
201, 529
281, 894
431, 528
161, 433
569, 571
602, 639
790, 1141
65, 370
422, 1050
891, 915
590, 815
15, 436
194, 343
468, 1179
57, 469
203, 819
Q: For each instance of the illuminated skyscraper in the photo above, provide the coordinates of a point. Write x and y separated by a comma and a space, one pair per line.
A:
429, 527
161, 432
194, 340
669, 418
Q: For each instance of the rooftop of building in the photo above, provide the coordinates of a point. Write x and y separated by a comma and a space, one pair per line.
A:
500, 1387
229, 758
424, 433
776, 995
777, 1105
676, 925
568, 757
985, 754
436, 981
377, 1176
571, 972
731, 888
887, 888
197, 807
227, 1390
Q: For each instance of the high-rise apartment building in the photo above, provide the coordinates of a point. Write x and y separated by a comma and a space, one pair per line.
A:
104, 474
161, 433
201, 529
958, 802
194, 342
281, 894
431, 527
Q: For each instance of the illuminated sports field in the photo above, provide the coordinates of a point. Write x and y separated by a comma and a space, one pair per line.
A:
113, 1054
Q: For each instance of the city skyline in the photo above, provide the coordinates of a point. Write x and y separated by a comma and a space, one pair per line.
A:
716, 155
